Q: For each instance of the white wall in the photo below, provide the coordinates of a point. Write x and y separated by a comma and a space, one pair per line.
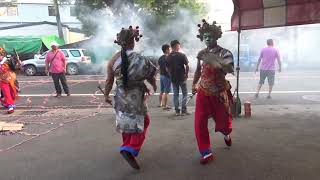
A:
35, 1
39, 12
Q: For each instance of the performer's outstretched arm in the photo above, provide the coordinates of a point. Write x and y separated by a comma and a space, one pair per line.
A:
196, 76
110, 78
109, 84
153, 83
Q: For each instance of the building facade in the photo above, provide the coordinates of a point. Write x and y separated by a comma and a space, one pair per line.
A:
14, 12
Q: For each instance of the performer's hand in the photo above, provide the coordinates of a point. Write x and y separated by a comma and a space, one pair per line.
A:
256, 70
108, 100
186, 77
154, 86
194, 88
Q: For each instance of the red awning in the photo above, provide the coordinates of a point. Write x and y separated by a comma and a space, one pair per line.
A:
274, 13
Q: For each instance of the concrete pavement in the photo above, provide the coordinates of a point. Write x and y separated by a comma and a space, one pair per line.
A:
74, 137
278, 142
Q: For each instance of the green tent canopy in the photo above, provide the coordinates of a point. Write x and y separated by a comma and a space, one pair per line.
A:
22, 44
27, 44
48, 39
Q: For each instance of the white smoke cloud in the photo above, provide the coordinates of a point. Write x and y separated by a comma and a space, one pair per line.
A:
295, 44
183, 28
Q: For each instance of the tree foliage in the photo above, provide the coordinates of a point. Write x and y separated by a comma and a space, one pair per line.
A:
163, 10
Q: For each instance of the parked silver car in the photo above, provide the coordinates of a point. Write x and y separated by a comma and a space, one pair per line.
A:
77, 60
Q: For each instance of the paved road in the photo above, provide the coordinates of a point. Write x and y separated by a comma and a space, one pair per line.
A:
74, 137
290, 88
86, 84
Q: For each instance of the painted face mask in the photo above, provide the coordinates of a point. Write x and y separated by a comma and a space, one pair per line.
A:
208, 39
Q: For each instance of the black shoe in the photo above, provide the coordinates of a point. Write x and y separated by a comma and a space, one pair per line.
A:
185, 113
58, 95
256, 96
268, 97
167, 108
130, 159
68, 94
228, 141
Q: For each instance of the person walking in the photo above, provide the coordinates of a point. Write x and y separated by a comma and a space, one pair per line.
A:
178, 66
8, 87
214, 98
130, 70
56, 65
165, 82
268, 56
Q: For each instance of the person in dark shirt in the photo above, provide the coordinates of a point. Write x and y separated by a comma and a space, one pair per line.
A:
165, 83
178, 69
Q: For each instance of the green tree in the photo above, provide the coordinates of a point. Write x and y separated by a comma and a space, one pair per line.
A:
163, 10
198, 9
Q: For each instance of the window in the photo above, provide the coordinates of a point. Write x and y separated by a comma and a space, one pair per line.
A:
65, 53
13, 11
85, 53
9, 11
73, 11
52, 11
75, 53
43, 56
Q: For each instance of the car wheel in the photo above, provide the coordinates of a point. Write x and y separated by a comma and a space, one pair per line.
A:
30, 70
72, 69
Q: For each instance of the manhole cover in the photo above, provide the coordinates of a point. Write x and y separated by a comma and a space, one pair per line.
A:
33, 112
315, 98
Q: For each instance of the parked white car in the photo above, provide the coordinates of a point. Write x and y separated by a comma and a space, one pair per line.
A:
77, 60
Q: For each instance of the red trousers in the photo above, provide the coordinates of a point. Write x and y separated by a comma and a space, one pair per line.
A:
206, 107
132, 142
9, 97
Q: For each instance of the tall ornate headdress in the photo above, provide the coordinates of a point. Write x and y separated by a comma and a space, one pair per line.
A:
127, 35
213, 29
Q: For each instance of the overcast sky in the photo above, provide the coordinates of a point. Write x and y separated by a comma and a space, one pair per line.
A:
221, 11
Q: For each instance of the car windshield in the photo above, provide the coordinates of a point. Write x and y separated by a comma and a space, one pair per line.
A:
43, 55
85, 53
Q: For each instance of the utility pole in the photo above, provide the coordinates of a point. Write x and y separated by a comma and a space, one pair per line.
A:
58, 19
